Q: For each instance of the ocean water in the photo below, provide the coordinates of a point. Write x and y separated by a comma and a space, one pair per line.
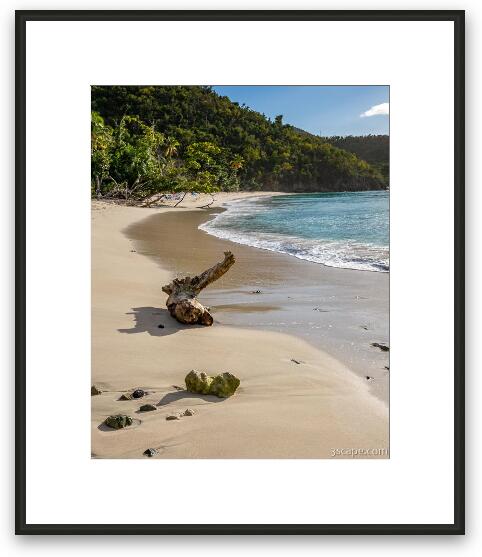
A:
346, 229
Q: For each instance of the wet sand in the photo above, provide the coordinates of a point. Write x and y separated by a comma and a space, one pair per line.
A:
340, 311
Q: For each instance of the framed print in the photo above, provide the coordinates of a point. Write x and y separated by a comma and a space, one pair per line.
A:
254, 259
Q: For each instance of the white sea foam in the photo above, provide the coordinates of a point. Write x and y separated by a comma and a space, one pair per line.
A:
346, 254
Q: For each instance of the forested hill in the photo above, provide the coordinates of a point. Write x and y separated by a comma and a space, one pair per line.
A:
203, 137
375, 149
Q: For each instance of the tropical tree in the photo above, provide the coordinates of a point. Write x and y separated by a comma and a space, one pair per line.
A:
170, 147
101, 147
237, 162
202, 164
136, 169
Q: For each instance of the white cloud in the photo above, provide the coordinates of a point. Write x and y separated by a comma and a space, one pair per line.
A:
377, 110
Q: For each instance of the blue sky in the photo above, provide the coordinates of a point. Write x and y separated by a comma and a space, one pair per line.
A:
325, 110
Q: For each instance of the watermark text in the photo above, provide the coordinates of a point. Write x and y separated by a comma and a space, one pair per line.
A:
354, 452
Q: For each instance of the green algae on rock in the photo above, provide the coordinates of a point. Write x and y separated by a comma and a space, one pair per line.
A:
118, 421
198, 382
173, 417
147, 408
222, 385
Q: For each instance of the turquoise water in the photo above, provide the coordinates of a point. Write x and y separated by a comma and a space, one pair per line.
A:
346, 229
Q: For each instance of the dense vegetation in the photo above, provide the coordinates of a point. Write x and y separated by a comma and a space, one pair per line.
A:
374, 149
148, 140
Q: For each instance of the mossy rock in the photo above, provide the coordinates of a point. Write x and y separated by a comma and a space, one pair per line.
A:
198, 382
222, 385
118, 421
147, 408
173, 417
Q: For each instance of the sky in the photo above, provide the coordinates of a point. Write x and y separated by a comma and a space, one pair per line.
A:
321, 110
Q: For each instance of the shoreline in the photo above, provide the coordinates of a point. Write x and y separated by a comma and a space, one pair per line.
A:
259, 243
340, 311
282, 409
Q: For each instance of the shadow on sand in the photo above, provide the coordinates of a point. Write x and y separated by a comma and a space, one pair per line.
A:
179, 395
148, 319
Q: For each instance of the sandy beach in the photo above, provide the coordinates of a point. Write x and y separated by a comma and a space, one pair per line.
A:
283, 409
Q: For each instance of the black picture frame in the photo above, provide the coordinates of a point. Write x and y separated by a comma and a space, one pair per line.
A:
21, 18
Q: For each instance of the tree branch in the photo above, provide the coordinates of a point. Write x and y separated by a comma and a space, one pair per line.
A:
181, 200
216, 271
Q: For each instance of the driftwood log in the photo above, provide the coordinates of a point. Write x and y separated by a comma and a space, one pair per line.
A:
182, 303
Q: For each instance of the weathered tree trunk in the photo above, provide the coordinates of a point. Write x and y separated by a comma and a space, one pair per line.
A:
97, 187
181, 200
182, 303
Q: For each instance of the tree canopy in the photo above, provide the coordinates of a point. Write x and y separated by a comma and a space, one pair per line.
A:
375, 149
146, 140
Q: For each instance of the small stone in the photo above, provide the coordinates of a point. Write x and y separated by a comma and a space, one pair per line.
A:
126, 396
147, 408
172, 417
368, 378
380, 345
118, 421
95, 391
138, 393
188, 412
150, 452
160, 326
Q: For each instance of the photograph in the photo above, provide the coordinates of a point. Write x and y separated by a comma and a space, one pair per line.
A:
240, 271
244, 231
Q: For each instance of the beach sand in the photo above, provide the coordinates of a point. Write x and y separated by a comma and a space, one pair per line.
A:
340, 311
281, 410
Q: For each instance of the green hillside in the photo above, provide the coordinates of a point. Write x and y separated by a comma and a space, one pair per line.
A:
375, 149
178, 138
